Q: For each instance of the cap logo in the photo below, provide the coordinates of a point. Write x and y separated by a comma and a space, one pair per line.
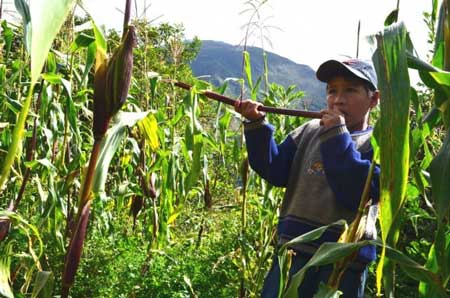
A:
350, 62
356, 63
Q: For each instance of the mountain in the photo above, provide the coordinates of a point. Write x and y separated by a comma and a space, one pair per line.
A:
218, 61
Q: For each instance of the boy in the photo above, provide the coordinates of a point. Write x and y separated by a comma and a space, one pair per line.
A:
323, 164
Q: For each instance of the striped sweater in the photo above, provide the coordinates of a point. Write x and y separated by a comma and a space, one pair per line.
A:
324, 172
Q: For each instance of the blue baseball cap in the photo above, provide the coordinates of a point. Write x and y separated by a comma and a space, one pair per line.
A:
353, 67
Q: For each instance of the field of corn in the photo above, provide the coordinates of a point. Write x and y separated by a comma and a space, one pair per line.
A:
115, 183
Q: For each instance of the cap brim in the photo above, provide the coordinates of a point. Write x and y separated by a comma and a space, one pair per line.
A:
332, 68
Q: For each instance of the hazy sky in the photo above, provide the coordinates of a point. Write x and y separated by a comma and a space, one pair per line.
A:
309, 31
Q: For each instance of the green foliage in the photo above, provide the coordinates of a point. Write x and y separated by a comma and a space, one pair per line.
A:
123, 265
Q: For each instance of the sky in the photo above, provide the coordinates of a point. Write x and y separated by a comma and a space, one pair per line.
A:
307, 32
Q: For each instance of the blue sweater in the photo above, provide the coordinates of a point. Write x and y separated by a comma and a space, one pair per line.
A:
324, 172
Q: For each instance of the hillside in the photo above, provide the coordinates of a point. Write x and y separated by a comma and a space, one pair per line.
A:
218, 61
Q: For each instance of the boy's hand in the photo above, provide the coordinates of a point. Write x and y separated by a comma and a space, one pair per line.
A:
332, 118
248, 109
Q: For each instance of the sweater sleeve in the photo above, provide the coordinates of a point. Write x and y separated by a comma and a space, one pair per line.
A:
346, 168
270, 160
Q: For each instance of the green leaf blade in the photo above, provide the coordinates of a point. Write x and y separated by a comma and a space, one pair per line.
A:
391, 64
47, 17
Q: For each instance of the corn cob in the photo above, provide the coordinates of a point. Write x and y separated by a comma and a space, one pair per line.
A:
118, 76
112, 82
4, 228
207, 198
136, 206
76, 246
101, 113
5, 224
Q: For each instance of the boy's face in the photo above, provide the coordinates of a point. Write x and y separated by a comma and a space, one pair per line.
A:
352, 99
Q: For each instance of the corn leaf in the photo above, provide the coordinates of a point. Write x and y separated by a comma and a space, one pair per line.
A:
81, 41
173, 217
305, 238
149, 127
8, 36
5, 263
440, 166
51, 63
312, 235
193, 139
426, 289
440, 174
331, 252
111, 142
327, 292
43, 161
438, 80
390, 62
248, 69
24, 10
391, 18
196, 166
191, 110
47, 17
71, 111
101, 45
442, 78
326, 254
443, 37
90, 60
52, 78
440, 177
43, 285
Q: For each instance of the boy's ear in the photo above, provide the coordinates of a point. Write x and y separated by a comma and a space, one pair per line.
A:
374, 99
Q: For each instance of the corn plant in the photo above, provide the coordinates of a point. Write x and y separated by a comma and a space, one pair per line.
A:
111, 83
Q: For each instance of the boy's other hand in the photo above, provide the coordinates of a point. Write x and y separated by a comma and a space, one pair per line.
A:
332, 117
248, 109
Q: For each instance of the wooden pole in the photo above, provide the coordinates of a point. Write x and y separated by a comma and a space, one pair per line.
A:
230, 101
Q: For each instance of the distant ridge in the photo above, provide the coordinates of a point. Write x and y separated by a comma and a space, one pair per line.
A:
218, 61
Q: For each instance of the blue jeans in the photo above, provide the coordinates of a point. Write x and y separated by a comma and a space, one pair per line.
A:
352, 282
